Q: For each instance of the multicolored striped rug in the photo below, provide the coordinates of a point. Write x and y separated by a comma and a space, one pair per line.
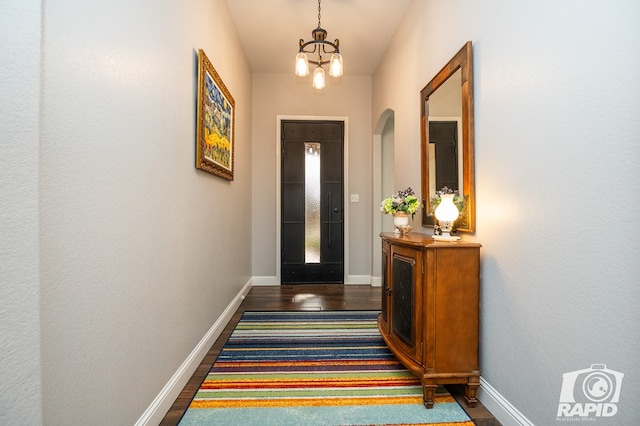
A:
313, 368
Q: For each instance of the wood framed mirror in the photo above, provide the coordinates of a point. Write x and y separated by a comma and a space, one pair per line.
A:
447, 139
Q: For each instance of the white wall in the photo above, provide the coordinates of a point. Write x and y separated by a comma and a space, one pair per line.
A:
131, 252
557, 131
20, 392
278, 94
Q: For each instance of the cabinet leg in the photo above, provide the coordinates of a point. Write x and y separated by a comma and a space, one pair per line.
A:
470, 392
428, 394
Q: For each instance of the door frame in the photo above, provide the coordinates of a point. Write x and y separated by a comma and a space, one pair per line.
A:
458, 120
345, 147
378, 159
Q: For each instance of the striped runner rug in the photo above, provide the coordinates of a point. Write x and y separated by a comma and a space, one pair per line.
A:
313, 368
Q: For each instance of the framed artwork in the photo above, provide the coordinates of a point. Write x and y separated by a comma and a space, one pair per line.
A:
215, 144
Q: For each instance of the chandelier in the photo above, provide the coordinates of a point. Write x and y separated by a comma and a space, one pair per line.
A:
319, 46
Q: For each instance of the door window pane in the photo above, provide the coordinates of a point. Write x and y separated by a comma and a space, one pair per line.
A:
312, 202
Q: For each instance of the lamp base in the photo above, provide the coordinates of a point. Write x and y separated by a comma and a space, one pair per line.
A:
445, 238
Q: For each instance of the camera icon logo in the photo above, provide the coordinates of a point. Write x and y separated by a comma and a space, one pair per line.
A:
589, 392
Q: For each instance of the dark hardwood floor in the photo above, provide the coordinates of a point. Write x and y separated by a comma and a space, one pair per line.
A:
329, 297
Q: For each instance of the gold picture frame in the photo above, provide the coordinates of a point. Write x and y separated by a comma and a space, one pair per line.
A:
215, 136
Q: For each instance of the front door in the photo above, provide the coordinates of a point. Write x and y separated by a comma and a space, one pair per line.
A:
444, 134
312, 178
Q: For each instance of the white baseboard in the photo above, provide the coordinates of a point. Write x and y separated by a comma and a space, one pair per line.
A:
501, 409
262, 281
154, 414
376, 282
350, 280
358, 279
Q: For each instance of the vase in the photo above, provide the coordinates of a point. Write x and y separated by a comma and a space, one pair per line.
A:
401, 222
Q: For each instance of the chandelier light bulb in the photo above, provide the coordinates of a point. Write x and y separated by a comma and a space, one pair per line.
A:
302, 64
335, 65
318, 78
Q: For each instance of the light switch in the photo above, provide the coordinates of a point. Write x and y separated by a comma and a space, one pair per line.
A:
355, 198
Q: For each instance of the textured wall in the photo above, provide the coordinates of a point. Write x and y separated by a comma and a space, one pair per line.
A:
140, 251
20, 397
556, 139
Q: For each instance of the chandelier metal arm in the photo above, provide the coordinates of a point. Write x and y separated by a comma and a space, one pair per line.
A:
316, 43
319, 62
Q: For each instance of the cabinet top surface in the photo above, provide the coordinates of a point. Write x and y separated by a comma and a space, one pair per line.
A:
422, 240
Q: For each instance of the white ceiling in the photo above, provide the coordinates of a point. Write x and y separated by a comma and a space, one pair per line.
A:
270, 30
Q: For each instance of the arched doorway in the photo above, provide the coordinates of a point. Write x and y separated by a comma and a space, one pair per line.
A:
383, 185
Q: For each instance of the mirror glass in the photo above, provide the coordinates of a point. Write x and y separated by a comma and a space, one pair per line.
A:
447, 157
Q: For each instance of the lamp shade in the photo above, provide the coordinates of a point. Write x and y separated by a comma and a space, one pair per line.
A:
446, 210
302, 64
318, 78
446, 213
335, 65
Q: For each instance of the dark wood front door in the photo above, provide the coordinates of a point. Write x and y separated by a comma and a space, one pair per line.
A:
444, 134
312, 197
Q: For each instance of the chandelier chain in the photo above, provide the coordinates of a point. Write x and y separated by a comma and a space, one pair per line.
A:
319, 13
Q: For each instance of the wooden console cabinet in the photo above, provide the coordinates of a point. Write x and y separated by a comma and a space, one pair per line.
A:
430, 306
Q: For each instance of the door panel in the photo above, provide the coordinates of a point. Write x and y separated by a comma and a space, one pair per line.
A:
303, 143
444, 134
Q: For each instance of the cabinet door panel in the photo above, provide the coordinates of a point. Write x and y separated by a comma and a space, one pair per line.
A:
406, 294
403, 298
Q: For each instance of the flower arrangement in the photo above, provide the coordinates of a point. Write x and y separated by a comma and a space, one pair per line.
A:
434, 201
401, 201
